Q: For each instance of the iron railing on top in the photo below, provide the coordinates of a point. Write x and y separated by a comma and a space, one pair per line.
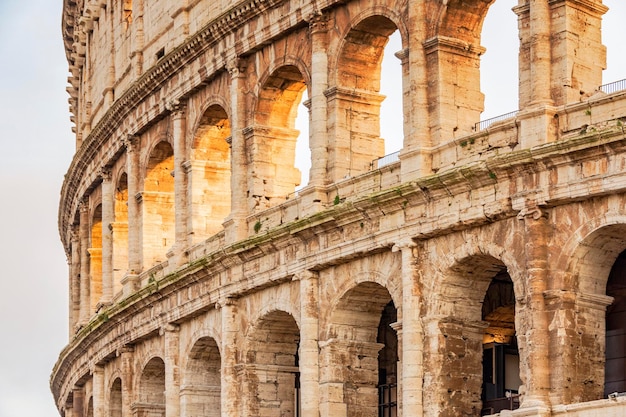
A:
613, 87
484, 124
385, 160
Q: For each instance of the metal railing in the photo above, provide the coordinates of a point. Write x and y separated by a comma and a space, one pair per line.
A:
385, 160
613, 87
484, 124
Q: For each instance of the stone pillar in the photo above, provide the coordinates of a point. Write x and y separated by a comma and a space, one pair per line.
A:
137, 39
354, 361
235, 224
108, 216
540, 53
85, 302
455, 107
272, 175
415, 155
533, 335
75, 281
181, 207
78, 401
576, 26
130, 282
230, 395
354, 123
411, 336
97, 375
172, 370
309, 344
318, 134
127, 369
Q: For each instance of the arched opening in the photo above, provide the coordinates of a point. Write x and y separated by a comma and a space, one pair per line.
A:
475, 314
115, 399
120, 233
355, 103
272, 141
615, 365
158, 205
499, 73
210, 173
272, 367
89, 411
151, 390
391, 108
200, 388
361, 353
303, 151
388, 363
95, 258
501, 376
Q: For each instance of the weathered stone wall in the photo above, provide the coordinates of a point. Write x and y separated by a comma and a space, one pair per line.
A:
202, 283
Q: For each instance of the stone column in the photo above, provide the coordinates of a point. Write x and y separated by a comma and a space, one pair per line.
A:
309, 344
535, 337
108, 216
415, 155
97, 375
540, 53
130, 282
181, 206
454, 108
235, 224
137, 39
318, 134
230, 396
75, 281
85, 301
172, 370
127, 369
411, 335
78, 400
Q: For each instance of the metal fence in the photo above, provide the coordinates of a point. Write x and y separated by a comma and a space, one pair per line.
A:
484, 124
386, 160
613, 87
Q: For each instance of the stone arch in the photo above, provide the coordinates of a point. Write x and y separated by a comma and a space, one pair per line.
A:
120, 231
272, 371
210, 171
361, 347
595, 271
272, 140
158, 204
150, 397
201, 381
472, 322
459, 19
355, 100
95, 258
115, 398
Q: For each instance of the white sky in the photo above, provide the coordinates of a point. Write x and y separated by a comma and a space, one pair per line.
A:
36, 139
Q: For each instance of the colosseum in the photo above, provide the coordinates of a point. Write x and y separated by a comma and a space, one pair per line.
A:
480, 270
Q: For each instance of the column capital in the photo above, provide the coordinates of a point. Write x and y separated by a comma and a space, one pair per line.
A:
124, 349
105, 173
318, 21
176, 107
169, 328
225, 301
236, 67
131, 142
404, 243
305, 275
83, 205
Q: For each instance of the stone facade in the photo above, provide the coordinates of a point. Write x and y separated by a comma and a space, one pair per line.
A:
481, 271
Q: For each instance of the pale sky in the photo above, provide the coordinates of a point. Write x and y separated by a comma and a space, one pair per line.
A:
36, 139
